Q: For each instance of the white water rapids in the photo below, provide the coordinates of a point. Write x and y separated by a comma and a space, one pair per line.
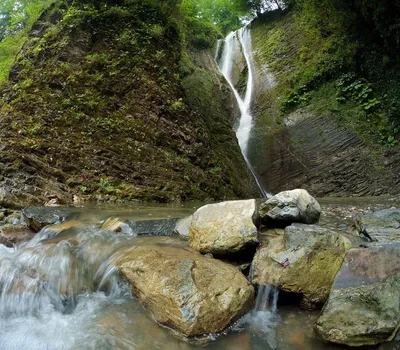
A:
239, 43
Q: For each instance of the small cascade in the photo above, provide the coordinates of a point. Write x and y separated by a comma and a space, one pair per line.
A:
48, 285
264, 318
239, 43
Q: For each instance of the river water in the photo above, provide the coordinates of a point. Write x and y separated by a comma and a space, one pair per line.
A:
61, 291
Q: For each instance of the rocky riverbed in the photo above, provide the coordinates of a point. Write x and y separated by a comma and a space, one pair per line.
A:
240, 274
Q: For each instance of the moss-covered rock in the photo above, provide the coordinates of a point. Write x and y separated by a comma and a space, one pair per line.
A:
363, 306
304, 260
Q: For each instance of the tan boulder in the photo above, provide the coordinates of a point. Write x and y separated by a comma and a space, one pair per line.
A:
224, 228
188, 292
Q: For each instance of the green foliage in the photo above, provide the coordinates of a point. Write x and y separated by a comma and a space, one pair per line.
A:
177, 105
215, 171
360, 91
224, 14
16, 19
106, 186
296, 98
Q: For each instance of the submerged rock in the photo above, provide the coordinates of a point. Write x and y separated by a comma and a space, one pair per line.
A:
158, 227
161, 227
66, 231
380, 226
364, 304
117, 225
39, 217
182, 227
190, 293
304, 260
290, 206
224, 228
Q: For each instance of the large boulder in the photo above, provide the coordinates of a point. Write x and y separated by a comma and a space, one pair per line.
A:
224, 228
364, 304
380, 226
304, 260
288, 207
188, 292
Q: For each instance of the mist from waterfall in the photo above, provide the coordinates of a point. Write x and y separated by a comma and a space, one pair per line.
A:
235, 43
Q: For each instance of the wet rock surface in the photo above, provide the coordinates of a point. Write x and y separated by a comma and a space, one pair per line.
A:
224, 228
161, 227
190, 293
364, 304
290, 206
304, 260
38, 217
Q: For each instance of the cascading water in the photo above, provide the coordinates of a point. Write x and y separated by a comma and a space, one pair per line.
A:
239, 42
264, 318
61, 291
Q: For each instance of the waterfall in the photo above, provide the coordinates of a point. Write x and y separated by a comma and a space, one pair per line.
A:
239, 42
264, 318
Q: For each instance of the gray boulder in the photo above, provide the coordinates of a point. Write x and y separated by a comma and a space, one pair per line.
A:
288, 207
380, 226
304, 260
224, 228
364, 303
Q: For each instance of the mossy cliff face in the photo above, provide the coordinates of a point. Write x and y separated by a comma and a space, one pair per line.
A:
96, 107
312, 130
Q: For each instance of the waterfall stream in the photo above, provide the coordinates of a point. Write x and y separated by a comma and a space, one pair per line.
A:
239, 43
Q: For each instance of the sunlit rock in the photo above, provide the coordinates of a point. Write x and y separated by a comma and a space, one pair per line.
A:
364, 303
288, 207
304, 260
190, 293
182, 227
224, 228
117, 225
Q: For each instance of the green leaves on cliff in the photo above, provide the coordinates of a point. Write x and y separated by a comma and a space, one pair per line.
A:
16, 19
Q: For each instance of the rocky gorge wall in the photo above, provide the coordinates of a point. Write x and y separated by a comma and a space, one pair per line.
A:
105, 102
320, 145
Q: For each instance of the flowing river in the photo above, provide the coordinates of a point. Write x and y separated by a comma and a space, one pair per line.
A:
60, 290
